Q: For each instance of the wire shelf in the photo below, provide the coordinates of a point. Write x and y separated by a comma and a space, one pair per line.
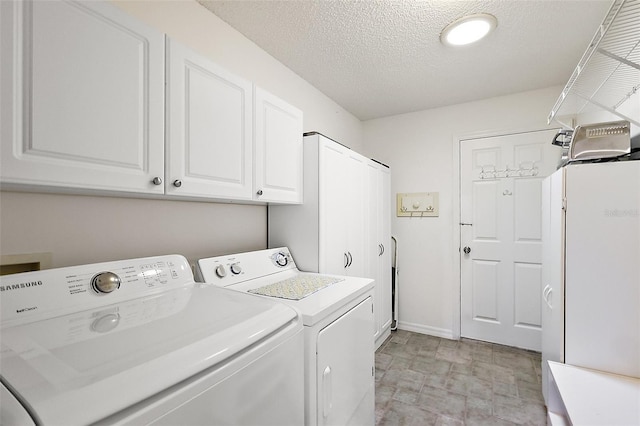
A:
607, 77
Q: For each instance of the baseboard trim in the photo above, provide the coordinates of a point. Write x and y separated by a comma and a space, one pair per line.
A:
431, 331
382, 338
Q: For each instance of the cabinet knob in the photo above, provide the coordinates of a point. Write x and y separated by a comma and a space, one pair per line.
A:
177, 183
466, 250
157, 181
259, 192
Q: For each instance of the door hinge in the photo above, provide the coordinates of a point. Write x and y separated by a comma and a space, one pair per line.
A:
564, 204
373, 371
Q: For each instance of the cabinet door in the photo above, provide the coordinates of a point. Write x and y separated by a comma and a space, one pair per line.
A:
342, 210
372, 211
354, 186
82, 103
378, 237
209, 128
278, 150
334, 208
372, 238
552, 309
383, 283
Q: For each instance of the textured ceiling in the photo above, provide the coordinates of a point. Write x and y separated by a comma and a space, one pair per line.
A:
384, 57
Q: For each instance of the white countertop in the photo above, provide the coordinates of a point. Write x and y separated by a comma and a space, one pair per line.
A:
591, 397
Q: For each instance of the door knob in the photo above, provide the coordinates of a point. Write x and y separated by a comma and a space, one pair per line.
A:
466, 250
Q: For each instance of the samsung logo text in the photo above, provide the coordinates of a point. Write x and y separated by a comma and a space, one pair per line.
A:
20, 286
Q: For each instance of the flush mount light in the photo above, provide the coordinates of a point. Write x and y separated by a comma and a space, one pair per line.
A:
468, 30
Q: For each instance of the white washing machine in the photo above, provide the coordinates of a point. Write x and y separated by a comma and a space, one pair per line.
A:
140, 342
338, 321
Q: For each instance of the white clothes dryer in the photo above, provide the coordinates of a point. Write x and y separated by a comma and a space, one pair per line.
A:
337, 313
140, 342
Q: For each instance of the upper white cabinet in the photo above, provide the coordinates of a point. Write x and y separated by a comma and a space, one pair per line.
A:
278, 165
83, 105
209, 128
82, 97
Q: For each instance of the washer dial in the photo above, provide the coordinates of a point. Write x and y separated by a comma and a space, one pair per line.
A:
236, 269
281, 258
105, 282
220, 271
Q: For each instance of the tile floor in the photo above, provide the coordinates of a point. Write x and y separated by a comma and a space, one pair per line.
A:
426, 380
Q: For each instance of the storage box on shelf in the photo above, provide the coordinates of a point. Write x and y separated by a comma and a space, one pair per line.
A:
90, 117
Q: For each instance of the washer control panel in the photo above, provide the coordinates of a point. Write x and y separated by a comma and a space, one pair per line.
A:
66, 290
243, 266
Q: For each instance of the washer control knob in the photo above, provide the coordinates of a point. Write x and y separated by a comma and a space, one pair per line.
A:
220, 271
236, 269
105, 282
281, 259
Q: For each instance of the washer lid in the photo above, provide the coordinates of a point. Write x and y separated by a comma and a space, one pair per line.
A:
80, 368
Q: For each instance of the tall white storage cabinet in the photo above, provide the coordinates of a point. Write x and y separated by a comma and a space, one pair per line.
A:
82, 103
343, 225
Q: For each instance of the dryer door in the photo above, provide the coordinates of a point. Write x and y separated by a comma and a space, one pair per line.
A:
345, 369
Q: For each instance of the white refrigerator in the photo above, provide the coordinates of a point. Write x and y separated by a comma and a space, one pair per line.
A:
591, 268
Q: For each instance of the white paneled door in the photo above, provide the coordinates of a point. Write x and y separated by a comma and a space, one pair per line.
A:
500, 236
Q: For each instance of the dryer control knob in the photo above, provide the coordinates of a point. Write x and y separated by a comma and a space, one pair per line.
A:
236, 269
105, 282
220, 271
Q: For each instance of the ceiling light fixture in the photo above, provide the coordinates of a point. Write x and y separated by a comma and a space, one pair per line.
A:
468, 29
